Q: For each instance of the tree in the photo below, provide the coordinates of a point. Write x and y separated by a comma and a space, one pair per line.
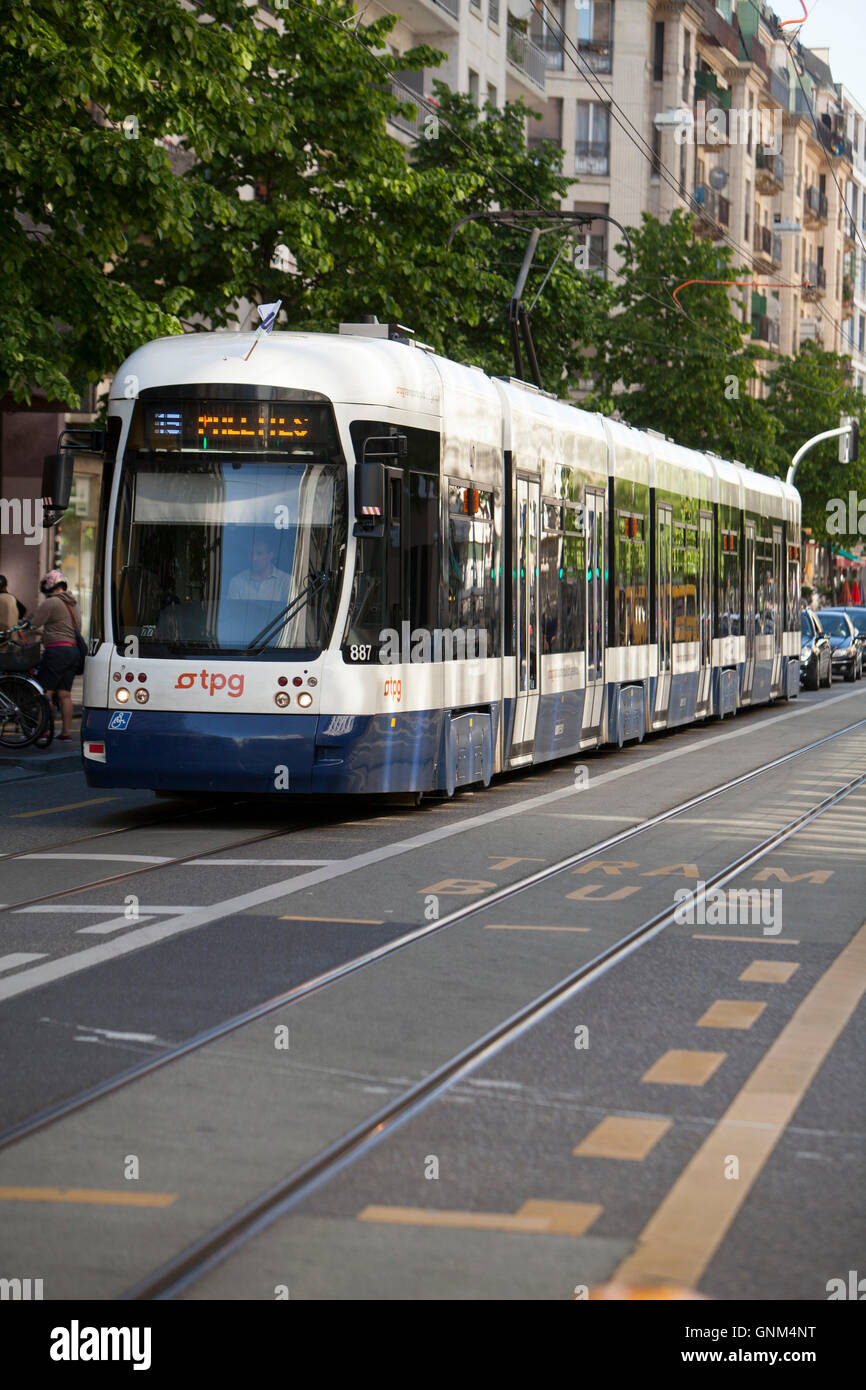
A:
685, 370
77, 190
807, 394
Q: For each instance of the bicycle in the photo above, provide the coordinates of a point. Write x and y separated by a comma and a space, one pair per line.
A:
25, 712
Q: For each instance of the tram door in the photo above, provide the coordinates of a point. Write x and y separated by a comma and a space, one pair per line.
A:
705, 595
778, 606
594, 538
526, 645
749, 607
664, 601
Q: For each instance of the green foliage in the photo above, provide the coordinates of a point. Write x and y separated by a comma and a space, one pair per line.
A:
76, 192
807, 394
685, 371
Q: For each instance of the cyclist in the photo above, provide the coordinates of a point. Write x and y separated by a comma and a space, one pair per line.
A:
57, 616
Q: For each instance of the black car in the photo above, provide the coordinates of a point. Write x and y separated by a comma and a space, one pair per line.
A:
815, 660
847, 646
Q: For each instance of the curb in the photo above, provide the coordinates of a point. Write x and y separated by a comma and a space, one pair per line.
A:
11, 771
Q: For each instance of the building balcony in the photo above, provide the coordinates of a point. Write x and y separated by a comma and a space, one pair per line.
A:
765, 330
849, 232
810, 331
523, 55
779, 89
409, 125
814, 207
551, 47
597, 54
707, 89
769, 171
847, 297
814, 281
836, 144
592, 157
431, 16
713, 214
768, 248
713, 26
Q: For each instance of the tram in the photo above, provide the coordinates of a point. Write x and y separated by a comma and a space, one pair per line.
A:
344, 564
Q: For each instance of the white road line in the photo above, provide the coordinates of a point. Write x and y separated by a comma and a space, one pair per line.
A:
101, 907
114, 858
262, 863
20, 958
203, 916
116, 924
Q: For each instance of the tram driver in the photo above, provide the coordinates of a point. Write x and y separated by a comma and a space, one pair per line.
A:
262, 580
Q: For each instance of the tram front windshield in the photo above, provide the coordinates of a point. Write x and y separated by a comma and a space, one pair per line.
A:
212, 548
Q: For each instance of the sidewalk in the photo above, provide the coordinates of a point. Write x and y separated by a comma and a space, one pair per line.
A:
23, 763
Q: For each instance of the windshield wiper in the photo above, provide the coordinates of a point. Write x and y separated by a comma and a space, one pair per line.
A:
314, 585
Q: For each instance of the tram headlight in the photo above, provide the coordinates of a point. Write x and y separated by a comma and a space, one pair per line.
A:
282, 699
305, 699
141, 696
121, 695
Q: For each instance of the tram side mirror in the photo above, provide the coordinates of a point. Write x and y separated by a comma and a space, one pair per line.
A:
370, 499
57, 472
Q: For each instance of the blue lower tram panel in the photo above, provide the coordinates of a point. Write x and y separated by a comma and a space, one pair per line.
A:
270, 753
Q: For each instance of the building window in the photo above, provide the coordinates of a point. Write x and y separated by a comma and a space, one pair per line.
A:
546, 29
595, 34
592, 148
493, 12
659, 51
492, 94
474, 90
687, 66
746, 221
861, 333
550, 125
656, 166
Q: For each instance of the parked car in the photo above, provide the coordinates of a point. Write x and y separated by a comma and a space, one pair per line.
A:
815, 654
857, 615
847, 647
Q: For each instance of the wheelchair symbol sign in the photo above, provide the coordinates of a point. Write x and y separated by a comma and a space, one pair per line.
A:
120, 720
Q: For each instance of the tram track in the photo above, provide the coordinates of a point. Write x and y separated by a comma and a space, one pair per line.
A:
62, 1109
187, 1268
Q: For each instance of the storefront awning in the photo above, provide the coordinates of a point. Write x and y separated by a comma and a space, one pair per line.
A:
837, 550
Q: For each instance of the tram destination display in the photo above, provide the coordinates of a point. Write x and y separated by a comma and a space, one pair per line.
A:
235, 426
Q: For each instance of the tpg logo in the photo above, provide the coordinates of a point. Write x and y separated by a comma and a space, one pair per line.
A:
187, 679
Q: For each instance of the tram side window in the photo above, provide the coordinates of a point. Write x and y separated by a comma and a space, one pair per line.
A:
793, 615
422, 558
686, 559
562, 587
729, 584
472, 562
631, 564
765, 598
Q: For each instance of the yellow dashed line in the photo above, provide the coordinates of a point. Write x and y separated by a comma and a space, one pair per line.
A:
769, 972
622, 1136
70, 806
684, 1068
732, 1013
682, 1237
534, 1217
92, 1196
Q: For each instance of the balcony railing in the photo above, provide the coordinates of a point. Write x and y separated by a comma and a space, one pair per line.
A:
714, 211
551, 47
835, 143
768, 244
597, 54
814, 280
815, 204
769, 170
523, 54
766, 330
779, 87
410, 125
592, 157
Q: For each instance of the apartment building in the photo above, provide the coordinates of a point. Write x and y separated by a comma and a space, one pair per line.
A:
854, 275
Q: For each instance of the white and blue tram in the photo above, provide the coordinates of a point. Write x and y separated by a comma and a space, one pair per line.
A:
345, 564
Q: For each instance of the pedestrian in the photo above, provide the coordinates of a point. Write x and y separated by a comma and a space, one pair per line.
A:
57, 617
855, 593
12, 610
845, 598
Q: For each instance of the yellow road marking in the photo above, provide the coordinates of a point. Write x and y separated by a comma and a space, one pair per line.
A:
750, 940
507, 926
731, 1013
53, 810
94, 1196
357, 921
681, 1238
622, 1136
684, 1068
538, 1217
769, 972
